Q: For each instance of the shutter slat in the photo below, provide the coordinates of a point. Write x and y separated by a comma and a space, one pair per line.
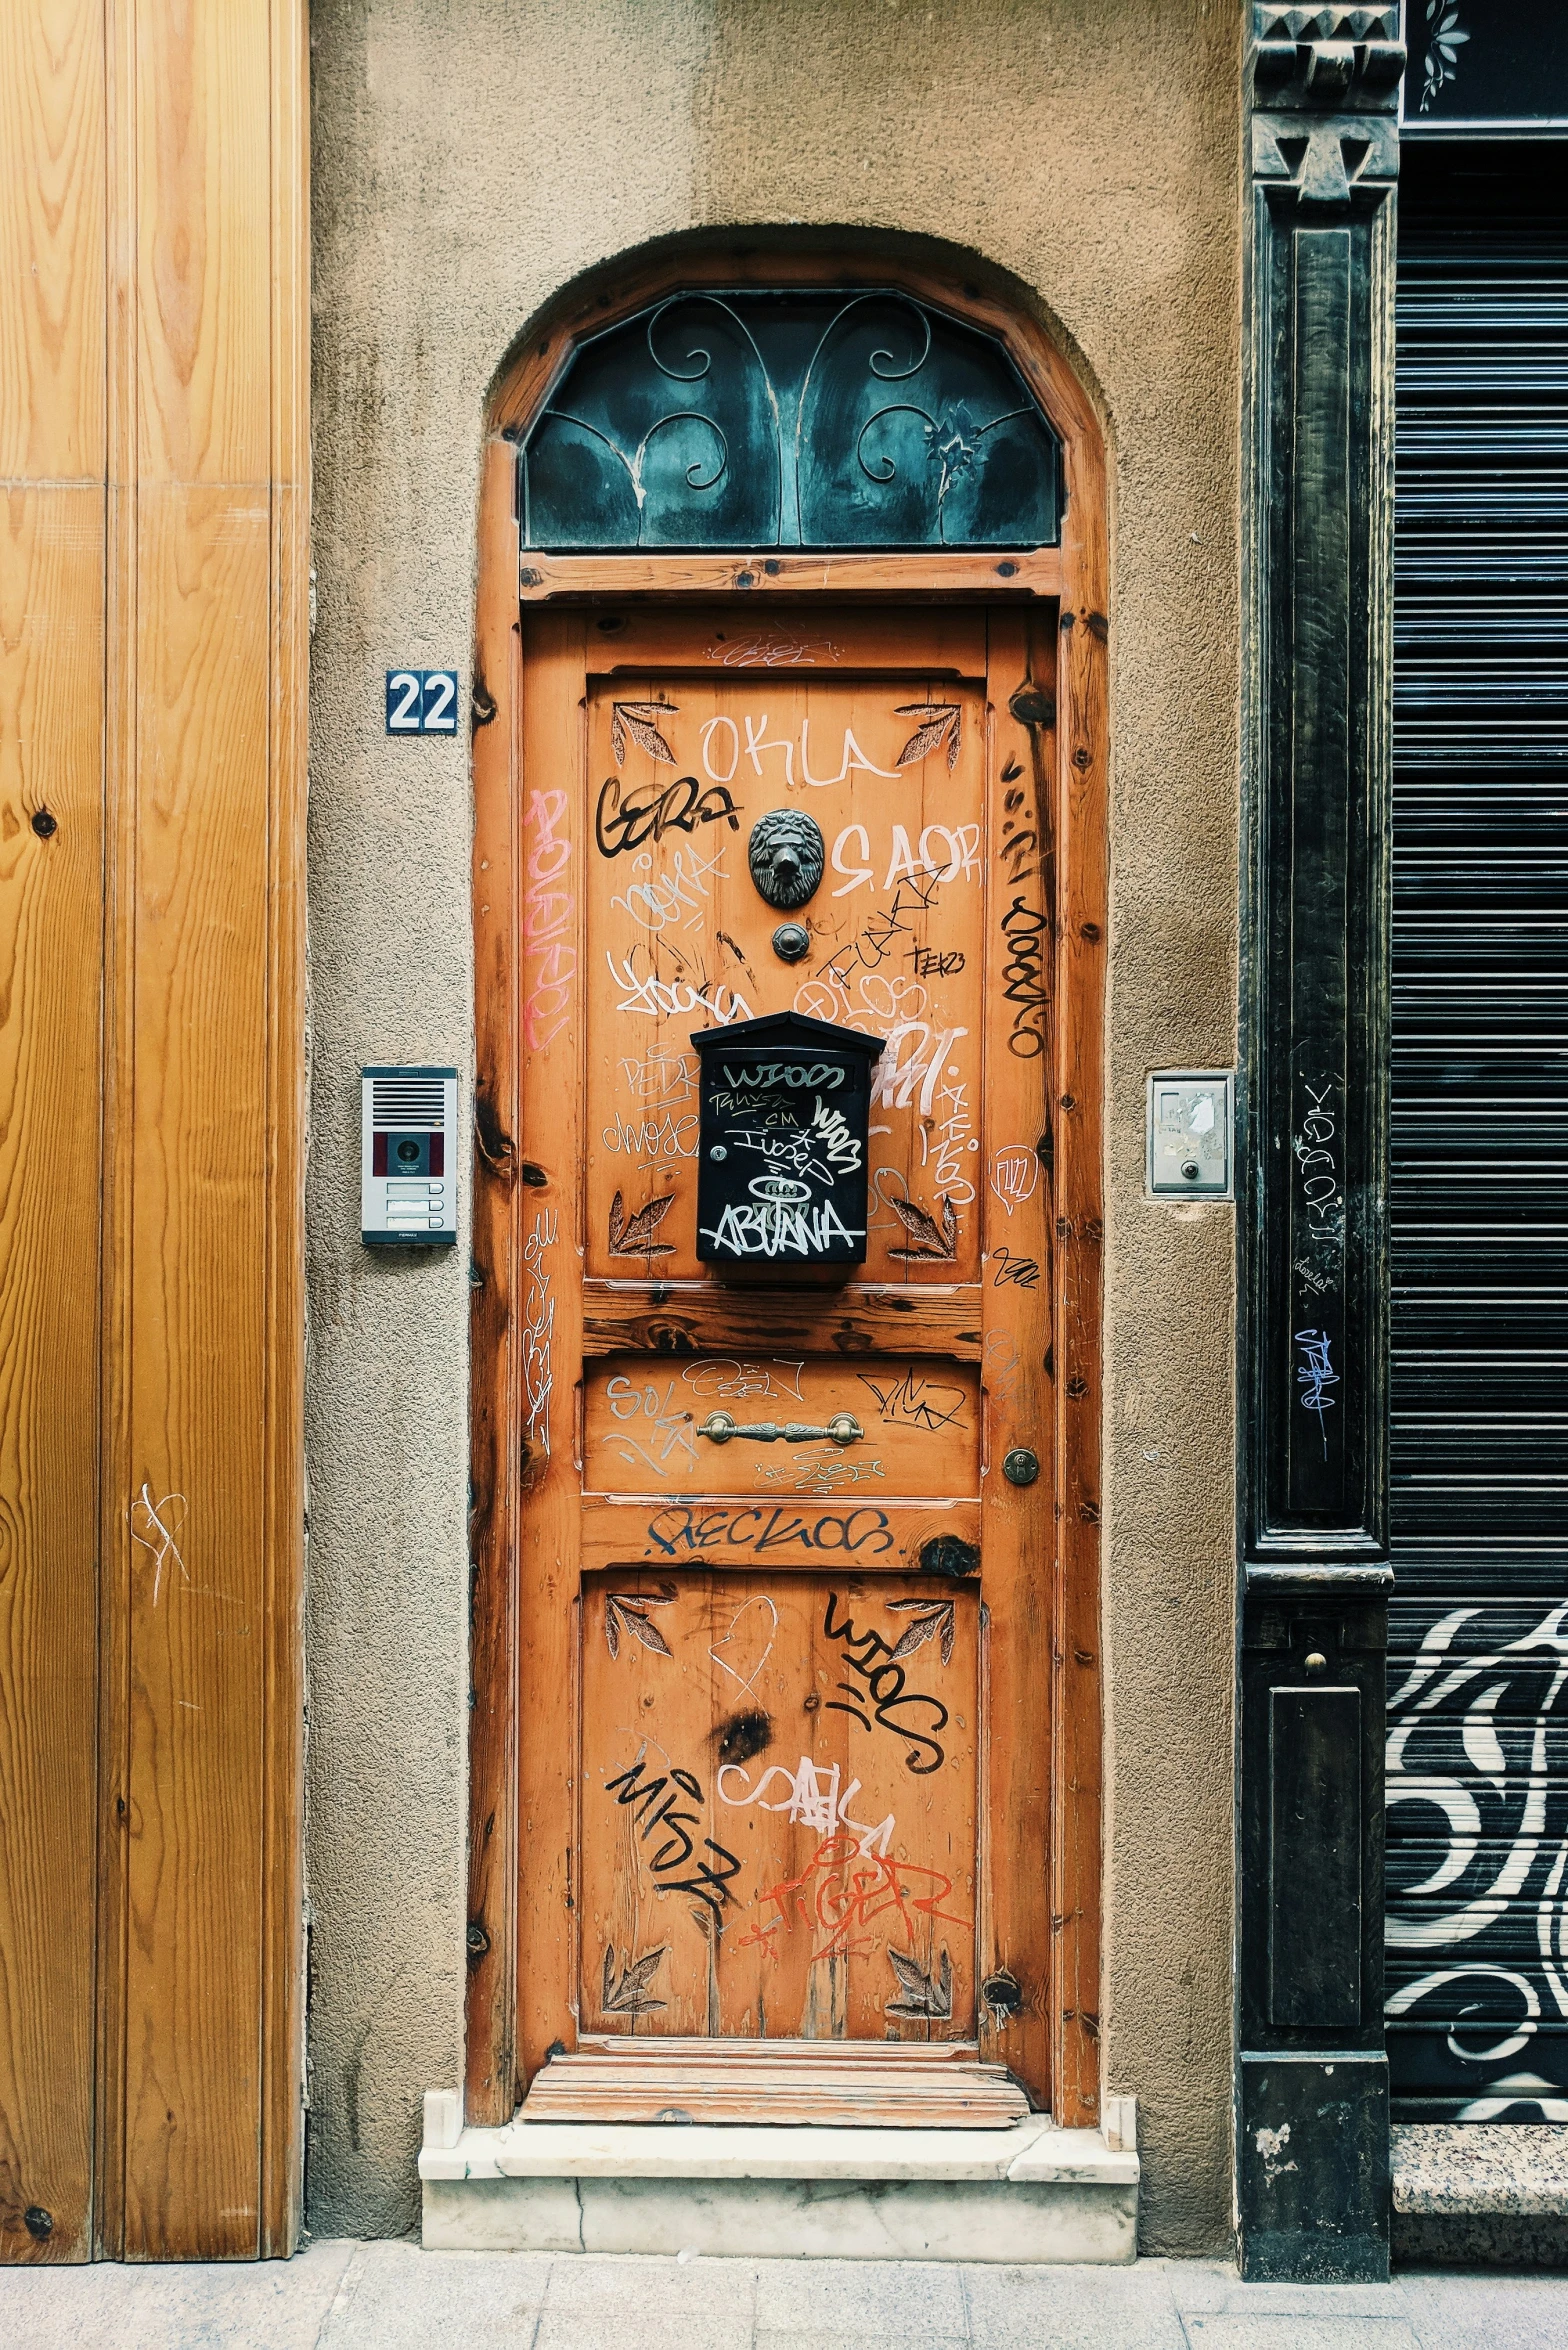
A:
1478, 1670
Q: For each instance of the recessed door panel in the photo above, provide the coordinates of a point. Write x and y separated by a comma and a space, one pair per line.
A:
889, 774
896, 1428
779, 1807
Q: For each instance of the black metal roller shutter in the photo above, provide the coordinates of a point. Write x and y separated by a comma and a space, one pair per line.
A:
1478, 1666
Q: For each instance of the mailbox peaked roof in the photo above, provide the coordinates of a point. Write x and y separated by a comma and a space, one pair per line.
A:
787, 1032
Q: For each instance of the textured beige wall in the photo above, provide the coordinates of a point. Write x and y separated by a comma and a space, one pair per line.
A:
470, 156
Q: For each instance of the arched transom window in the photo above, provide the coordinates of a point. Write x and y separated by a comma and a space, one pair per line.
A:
797, 418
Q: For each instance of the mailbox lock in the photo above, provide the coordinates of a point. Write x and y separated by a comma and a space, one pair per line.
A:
843, 1428
718, 1151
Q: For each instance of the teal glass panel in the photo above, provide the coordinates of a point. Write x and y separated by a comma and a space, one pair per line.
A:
750, 420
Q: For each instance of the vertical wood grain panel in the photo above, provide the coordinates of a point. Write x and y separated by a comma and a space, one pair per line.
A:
198, 1427
52, 423
52, 240
1082, 916
204, 240
1019, 1545
283, 1885
51, 666
490, 2077
118, 1079
203, 1491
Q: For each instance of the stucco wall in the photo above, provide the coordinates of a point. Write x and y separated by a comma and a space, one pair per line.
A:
469, 157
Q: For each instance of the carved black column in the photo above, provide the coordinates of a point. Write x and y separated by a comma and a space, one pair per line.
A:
1312, 2122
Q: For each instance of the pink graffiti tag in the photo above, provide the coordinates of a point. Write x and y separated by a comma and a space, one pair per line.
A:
549, 953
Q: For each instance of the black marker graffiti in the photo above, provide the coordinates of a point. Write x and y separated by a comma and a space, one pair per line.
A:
915, 894
1019, 840
885, 1691
1026, 932
912, 1402
1014, 1272
641, 1796
935, 962
680, 807
761, 1530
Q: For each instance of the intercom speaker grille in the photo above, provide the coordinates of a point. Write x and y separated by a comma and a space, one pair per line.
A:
405, 1101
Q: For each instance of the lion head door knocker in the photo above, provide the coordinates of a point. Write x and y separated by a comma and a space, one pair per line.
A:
786, 856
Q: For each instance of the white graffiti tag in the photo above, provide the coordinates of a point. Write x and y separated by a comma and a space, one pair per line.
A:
813, 1799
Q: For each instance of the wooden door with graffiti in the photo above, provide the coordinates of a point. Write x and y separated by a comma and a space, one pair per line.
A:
787, 1532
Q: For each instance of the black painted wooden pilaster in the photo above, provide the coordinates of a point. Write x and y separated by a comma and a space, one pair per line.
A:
1312, 2104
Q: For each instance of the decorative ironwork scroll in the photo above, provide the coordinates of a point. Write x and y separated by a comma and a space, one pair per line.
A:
790, 419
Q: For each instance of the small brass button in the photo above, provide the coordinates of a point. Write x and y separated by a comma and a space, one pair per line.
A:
1317, 1662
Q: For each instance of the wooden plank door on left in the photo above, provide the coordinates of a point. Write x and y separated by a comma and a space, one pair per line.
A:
53, 278
51, 974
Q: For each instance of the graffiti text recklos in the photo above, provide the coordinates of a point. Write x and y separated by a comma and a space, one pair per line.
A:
760, 1530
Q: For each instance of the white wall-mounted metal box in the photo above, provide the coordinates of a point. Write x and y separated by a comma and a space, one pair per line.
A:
1191, 1130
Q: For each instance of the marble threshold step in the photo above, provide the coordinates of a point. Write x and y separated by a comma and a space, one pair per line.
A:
1027, 2193
1481, 2194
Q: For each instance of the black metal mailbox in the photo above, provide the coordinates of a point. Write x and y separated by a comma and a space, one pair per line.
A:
781, 1153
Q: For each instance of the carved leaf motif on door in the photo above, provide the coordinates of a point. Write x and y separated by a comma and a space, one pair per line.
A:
629, 1996
925, 1239
942, 723
632, 1236
626, 1611
640, 721
932, 1617
924, 1997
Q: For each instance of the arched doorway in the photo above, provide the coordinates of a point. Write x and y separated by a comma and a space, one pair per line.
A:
785, 1747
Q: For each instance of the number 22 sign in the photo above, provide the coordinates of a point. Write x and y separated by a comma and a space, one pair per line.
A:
421, 701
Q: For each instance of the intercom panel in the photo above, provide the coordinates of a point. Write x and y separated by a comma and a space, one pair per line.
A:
408, 1164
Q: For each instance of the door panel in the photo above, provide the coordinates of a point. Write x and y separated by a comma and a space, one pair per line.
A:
893, 1538
786, 1625
779, 1807
678, 938
721, 1426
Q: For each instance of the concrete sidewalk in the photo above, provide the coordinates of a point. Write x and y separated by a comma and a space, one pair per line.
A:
346, 2296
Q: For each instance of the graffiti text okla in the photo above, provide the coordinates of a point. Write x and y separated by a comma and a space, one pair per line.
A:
725, 748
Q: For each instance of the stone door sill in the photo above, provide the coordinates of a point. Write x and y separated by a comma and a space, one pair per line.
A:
1030, 2193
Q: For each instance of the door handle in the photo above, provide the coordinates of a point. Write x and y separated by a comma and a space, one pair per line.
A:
843, 1428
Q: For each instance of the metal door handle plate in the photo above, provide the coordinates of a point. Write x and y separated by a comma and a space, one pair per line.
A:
843, 1428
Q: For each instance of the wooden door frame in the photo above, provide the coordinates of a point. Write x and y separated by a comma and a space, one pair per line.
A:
1076, 578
